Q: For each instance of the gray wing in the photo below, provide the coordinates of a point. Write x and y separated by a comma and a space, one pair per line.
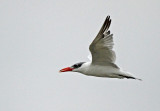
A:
102, 45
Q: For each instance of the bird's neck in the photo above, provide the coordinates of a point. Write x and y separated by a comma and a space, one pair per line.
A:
85, 67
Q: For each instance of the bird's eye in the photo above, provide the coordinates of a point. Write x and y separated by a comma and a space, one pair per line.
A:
75, 66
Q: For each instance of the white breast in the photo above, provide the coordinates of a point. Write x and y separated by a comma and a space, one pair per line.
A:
97, 70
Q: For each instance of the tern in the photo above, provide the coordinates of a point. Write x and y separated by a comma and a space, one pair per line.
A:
102, 63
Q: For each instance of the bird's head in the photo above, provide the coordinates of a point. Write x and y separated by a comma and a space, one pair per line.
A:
74, 68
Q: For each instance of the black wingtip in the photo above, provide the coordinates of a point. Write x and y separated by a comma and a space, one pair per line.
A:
107, 23
105, 26
108, 16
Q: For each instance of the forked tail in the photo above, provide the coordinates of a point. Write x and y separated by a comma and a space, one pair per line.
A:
128, 76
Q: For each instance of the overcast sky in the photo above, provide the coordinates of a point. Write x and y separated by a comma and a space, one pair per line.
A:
39, 37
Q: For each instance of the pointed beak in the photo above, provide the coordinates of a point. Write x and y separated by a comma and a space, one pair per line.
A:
66, 69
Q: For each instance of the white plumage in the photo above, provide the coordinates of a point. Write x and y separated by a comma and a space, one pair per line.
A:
103, 57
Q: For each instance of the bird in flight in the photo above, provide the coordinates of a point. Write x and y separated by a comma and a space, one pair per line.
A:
102, 63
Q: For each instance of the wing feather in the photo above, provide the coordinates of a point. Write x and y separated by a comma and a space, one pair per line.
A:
102, 46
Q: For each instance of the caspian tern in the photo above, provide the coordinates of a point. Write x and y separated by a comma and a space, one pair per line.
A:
103, 57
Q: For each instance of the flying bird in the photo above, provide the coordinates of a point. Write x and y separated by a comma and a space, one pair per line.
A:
102, 63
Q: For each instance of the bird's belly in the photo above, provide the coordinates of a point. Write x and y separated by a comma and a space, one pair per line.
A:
103, 71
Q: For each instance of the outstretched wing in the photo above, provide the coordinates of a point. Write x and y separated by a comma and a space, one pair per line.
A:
102, 45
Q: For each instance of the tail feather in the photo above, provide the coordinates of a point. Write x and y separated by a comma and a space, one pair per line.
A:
129, 77
134, 78
138, 79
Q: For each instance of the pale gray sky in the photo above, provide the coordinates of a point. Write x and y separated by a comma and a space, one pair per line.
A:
39, 37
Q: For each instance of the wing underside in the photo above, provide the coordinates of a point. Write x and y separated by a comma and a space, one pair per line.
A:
102, 46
